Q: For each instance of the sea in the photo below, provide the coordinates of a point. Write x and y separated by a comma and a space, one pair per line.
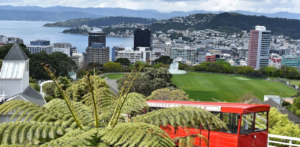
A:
33, 30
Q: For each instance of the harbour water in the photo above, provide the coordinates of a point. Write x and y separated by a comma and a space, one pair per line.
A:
33, 30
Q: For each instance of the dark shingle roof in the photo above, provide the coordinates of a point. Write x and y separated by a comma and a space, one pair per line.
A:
272, 103
33, 96
292, 117
16, 53
255, 101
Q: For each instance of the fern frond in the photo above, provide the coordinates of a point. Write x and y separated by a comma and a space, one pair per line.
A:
84, 137
84, 113
135, 134
28, 132
181, 116
28, 111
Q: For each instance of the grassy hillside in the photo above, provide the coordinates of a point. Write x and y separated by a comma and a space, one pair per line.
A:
204, 86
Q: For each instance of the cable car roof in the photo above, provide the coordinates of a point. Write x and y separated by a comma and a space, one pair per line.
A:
212, 106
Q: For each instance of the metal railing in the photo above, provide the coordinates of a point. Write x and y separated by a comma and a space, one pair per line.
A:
288, 141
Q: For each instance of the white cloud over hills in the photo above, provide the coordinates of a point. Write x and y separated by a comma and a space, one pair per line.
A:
260, 6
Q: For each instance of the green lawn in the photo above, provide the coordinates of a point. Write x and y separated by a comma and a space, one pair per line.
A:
295, 82
114, 76
204, 86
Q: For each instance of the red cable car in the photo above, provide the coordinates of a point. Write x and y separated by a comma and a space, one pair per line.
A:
247, 123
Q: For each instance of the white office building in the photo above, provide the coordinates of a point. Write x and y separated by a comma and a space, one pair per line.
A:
187, 53
141, 54
62, 47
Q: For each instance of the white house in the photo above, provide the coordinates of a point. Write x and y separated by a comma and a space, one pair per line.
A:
14, 78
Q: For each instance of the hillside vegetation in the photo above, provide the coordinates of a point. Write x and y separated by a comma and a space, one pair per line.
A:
233, 22
103, 21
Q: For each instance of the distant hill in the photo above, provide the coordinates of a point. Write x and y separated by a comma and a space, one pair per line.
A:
103, 21
42, 15
138, 13
232, 22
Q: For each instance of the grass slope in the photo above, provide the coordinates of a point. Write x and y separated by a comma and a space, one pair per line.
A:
205, 86
114, 76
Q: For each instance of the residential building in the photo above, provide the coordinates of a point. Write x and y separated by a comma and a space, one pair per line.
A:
210, 58
10, 40
142, 37
40, 45
145, 53
290, 60
115, 51
187, 53
201, 57
73, 49
259, 47
97, 53
62, 47
97, 37
78, 58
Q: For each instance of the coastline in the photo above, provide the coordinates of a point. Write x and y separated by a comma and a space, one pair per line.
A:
88, 34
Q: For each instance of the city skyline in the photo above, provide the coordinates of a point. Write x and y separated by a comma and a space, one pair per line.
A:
264, 6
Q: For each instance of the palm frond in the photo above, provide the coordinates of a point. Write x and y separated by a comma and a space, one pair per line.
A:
135, 134
29, 132
181, 116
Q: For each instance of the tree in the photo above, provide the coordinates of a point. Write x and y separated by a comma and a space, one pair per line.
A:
151, 80
279, 124
123, 61
112, 67
296, 106
59, 62
0, 63
5, 49
163, 60
169, 94
49, 89
97, 122
64, 83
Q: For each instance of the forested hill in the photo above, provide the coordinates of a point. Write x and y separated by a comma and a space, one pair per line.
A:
103, 21
230, 22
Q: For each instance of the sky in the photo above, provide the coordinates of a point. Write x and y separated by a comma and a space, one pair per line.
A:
261, 6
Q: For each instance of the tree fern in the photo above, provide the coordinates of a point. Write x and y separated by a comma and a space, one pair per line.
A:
135, 134
29, 132
181, 116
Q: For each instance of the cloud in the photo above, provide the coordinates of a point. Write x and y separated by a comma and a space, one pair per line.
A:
262, 6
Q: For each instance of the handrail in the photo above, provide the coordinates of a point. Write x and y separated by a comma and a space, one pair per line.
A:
289, 139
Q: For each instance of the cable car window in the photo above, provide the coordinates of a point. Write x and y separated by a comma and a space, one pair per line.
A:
232, 122
261, 121
247, 123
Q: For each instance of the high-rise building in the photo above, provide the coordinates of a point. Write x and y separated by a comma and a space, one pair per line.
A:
259, 47
97, 53
40, 45
142, 38
97, 37
114, 52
